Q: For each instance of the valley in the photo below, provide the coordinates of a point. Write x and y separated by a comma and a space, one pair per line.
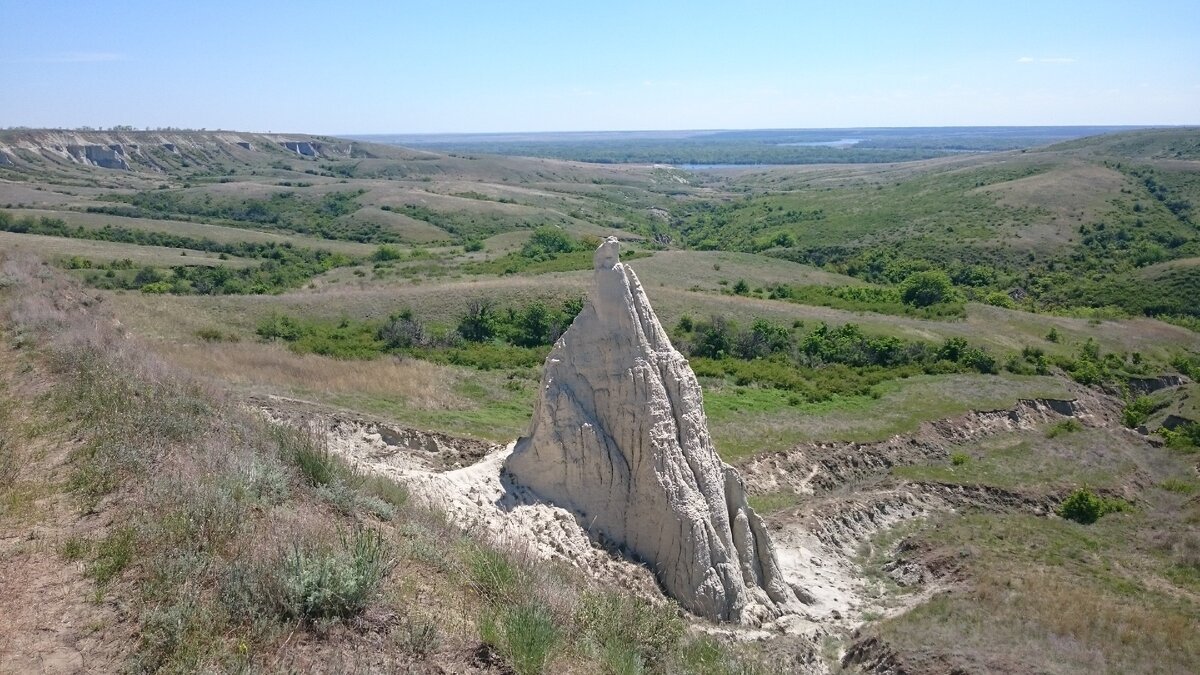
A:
919, 365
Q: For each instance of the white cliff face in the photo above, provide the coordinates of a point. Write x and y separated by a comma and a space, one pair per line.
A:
619, 436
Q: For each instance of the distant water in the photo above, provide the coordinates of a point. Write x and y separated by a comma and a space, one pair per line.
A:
705, 167
840, 143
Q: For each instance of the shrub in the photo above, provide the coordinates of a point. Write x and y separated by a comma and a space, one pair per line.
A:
1067, 426
547, 242
999, 299
1137, 411
1052, 336
401, 331
930, 287
1086, 507
1183, 437
323, 581
479, 323
387, 252
959, 458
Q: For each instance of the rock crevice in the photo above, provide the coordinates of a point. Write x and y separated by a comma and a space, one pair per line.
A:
619, 436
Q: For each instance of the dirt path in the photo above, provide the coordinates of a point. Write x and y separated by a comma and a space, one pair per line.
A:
50, 621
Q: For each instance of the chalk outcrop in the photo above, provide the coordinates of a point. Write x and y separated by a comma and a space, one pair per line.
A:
619, 437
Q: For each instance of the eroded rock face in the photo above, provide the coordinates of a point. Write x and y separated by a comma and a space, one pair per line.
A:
620, 437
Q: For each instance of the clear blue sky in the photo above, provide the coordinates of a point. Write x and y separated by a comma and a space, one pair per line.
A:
446, 66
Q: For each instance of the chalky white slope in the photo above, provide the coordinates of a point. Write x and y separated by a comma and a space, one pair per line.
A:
619, 437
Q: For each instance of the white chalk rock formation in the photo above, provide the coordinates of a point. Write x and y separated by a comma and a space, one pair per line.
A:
619, 436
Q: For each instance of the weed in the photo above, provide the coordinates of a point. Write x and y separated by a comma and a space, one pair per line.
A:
310, 453
1067, 426
706, 656
113, 555
492, 574
386, 490
959, 458
418, 636
525, 635
629, 636
75, 548
216, 335
1183, 487
8, 462
773, 501
176, 637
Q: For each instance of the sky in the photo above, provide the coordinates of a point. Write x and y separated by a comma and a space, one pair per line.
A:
441, 66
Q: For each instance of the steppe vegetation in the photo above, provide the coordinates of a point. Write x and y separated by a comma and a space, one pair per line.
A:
822, 306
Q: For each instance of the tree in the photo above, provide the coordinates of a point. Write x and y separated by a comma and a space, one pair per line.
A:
922, 289
479, 323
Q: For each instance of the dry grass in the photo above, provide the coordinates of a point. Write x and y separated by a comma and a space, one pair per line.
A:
1068, 196
63, 247
416, 384
684, 269
217, 233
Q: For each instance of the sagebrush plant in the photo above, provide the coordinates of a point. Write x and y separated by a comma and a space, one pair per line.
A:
323, 580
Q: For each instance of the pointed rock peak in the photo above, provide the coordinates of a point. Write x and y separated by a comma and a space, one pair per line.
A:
608, 254
619, 436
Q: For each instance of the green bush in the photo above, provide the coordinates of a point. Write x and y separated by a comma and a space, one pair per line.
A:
959, 458
547, 242
1086, 507
930, 287
1137, 411
387, 252
1184, 437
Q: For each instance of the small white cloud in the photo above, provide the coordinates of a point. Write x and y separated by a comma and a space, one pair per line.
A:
1026, 59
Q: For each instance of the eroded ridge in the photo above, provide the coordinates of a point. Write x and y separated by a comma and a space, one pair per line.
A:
619, 436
